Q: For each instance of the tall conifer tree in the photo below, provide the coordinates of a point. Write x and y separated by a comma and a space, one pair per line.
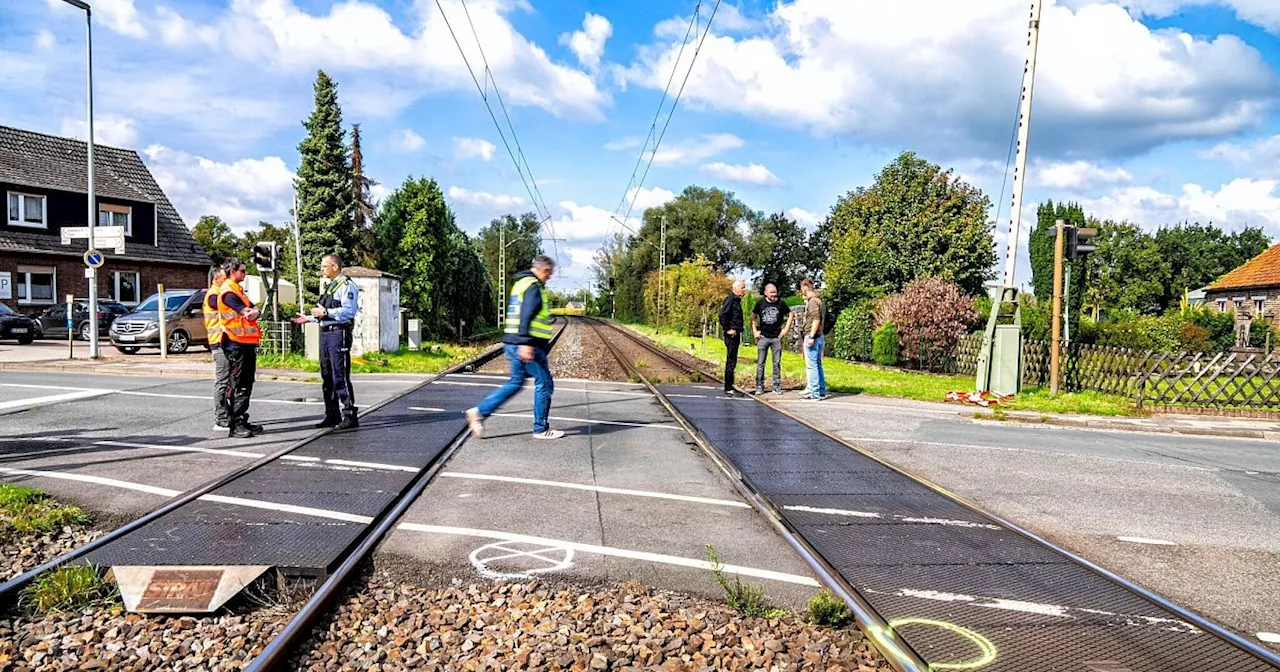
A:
323, 183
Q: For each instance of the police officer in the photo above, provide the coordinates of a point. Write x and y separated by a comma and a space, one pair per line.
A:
336, 313
240, 338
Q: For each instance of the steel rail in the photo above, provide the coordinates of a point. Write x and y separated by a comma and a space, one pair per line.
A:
298, 628
899, 653
1195, 619
8, 588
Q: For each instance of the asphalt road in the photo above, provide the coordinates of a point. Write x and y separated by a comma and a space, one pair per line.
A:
1195, 519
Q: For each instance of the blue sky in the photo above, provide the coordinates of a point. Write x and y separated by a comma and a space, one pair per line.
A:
1154, 111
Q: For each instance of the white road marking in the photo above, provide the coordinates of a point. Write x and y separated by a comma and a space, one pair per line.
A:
1143, 540
24, 404
431, 529
610, 551
505, 552
1269, 637
1059, 611
558, 388
34, 439
374, 465
906, 519
943, 444
653, 425
598, 488
181, 449
878, 407
503, 377
132, 393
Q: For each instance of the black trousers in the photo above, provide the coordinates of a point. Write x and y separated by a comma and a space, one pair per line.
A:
335, 374
242, 361
221, 381
731, 344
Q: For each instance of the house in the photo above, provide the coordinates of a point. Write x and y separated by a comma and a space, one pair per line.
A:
43, 182
1251, 291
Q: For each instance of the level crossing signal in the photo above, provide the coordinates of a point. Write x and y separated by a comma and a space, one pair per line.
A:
266, 255
1077, 242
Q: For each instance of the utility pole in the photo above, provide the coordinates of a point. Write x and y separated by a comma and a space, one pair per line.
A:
297, 251
1055, 350
501, 289
662, 267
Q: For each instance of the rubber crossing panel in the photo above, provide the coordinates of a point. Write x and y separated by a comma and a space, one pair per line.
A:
964, 592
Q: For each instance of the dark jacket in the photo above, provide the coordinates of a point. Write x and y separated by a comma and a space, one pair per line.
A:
530, 304
731, 314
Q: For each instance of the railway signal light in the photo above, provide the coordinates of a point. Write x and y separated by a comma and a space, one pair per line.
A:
265, 254
1078, 244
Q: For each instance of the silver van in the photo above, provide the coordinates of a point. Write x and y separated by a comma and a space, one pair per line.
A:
184, 320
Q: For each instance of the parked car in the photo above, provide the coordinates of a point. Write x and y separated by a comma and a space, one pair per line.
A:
184, 322
15, 326
52, 322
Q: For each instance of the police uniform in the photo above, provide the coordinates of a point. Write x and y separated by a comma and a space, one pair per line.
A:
340, 300
240, 339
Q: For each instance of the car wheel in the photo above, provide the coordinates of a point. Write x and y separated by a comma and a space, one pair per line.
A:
26, 341
178, 342
86, 331
127, 349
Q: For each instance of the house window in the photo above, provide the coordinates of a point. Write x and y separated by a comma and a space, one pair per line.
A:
1222, 305
1259, 305
36, 284
26, 210
126, 286
1238, 303
116, 215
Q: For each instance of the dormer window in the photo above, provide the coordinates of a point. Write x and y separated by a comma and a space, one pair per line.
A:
116, 215
27, 210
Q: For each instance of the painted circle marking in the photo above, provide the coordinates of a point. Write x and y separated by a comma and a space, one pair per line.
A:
543, 559
986, 648
1144, 540
1269, 637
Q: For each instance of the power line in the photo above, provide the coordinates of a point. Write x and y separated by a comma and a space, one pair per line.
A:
521, 163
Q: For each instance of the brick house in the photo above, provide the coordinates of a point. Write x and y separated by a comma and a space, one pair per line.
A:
42, 181
1249, 292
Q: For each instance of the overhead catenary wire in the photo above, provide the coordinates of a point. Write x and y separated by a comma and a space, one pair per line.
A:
517, 155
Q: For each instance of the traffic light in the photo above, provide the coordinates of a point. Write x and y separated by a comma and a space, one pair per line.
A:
1077, 242
264, 255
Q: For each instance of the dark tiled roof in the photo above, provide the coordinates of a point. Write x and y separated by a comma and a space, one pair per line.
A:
1260, 271
51, 162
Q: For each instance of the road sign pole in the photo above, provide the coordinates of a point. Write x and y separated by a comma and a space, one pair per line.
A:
164, 340
70, 322
93, 203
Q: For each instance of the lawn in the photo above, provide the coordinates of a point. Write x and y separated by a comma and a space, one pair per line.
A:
432, 358
853, 378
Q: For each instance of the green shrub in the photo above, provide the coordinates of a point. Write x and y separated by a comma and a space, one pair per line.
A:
982, 304
1258, 332
67, 589
1086, 332
931, 315
793, 301
1193, 338
827, 609
1142, 332
851, 336
1219, 326
748, 600
884, 349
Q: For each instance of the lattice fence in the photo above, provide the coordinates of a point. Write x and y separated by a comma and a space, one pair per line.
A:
1084, 367
1227, 381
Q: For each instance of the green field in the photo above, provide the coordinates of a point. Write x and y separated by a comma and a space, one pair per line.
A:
432, 358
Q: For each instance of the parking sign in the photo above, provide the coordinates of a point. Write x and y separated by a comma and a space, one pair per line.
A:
6, 285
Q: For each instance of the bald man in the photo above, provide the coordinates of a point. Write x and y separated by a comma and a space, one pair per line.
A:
731, 324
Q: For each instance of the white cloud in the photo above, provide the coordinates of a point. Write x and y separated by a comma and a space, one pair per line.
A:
750, 174
1261, 156
1076, 175
484, 199
408, 141
623, 143
804, 218
945, 74
646, 197
108, 129
1241, 202
45, 39
683, 151
586, 222
470, 148
242, 193
588, 44
1265, 13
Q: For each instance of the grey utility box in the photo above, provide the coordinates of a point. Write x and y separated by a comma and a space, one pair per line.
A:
414, 334
311, 338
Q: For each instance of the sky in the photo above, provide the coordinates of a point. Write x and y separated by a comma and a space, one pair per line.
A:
1151, 111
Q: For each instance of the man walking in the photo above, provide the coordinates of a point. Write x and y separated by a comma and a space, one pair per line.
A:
336, 313
731, 324
213, 327
815, 377
770, 319
240, 338
526, 341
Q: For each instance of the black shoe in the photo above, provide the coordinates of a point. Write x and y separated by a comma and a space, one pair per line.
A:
253, 427
240, 432
349, 422
730, 393
328, 422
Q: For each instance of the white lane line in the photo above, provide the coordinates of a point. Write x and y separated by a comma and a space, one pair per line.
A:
373, 465
1059, 611
610, 551
482, 376
654, 425
598, 488
1269, 637
833, 512
1050, 453
24, 404
878, 407
1144, 540
33, 439
132, 393
461, 383
181, 449
434, 529
906, 519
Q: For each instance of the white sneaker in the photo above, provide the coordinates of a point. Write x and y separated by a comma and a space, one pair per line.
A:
475, 422
549, 434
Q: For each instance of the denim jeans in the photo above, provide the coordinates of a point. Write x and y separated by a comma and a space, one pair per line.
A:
536, 368
815, 377
763, 348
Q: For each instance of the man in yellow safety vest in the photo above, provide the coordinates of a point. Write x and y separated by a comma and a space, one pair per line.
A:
526, 341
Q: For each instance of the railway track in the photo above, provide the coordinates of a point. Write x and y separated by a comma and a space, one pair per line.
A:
131, 539
1114, 625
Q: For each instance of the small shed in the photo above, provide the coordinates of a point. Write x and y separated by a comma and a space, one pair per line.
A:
378, 322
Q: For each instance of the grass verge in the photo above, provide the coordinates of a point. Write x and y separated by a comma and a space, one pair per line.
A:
853, 378
68, 589
432, 358
24, 511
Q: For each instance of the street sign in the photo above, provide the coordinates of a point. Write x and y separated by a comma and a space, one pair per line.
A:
93, 259
104, 237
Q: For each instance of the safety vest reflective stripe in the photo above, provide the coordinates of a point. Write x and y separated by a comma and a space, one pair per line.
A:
212, 318
235, 326
541, 325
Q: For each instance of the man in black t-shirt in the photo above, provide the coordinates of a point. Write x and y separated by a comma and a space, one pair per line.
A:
770, 319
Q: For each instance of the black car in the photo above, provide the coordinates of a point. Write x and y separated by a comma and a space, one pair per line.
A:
17, 327
53, 321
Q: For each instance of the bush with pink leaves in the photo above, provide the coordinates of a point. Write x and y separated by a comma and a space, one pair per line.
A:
931, 314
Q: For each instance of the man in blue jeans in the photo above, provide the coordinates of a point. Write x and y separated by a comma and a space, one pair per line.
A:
526, 341
815, 377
